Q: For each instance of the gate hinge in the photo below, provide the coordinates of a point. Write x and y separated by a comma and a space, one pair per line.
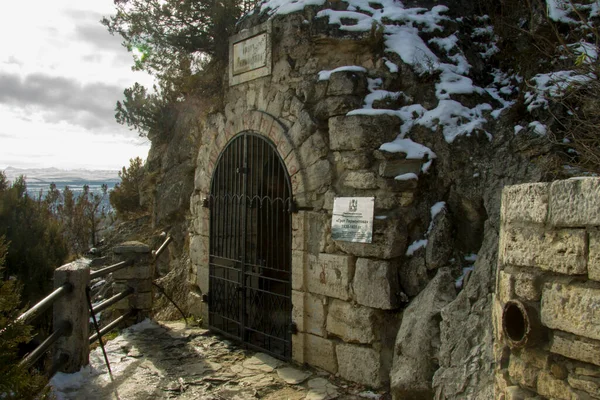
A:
206, 297
241, 170
206, 202
293, 328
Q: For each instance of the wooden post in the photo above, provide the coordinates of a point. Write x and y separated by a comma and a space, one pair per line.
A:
73, 308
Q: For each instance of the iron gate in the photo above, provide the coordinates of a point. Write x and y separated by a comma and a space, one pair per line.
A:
250, 246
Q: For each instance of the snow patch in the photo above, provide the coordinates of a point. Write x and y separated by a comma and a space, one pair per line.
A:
325, 75
416, 245
407, 177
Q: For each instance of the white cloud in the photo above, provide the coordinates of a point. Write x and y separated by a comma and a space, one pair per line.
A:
63, 41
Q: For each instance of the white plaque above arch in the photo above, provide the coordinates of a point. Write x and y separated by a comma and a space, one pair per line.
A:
250, 54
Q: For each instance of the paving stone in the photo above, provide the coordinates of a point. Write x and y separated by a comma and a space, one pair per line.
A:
293, 376
321, 389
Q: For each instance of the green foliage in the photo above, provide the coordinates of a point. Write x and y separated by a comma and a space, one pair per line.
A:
36, 237
175, 41
125, 197
15, 382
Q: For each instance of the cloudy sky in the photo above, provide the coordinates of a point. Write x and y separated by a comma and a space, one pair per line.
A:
61, 74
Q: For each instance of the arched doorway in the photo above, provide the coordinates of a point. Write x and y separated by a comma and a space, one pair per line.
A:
250, 245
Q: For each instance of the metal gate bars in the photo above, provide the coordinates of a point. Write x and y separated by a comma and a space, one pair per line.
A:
250, 246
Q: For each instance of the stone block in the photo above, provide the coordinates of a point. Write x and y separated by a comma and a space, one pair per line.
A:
330, 275
505, 286
525, 203
298, 309
202, 277
413, 276
347, 83
313, 149
336, 106
314, 314
353, 323
553, 388
389, 241
517, 393
320, 352
521, 372
594, 255
195, 304
528, 285
575, 202
576, 348
360, 180
318, 176
142, 271
376, 284
562, 251
298, 266
572, 309
586, 384
362, 132
360, 364
199, 249
352, 160
141, 301
393, 168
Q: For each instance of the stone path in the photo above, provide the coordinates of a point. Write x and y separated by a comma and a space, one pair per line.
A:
169, 361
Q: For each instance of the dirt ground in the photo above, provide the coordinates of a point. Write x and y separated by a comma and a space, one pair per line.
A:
168, 360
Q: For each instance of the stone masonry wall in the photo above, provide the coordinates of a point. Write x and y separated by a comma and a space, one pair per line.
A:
546, 310
345, 296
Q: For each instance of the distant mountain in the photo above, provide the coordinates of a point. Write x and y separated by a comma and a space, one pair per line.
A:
61, 176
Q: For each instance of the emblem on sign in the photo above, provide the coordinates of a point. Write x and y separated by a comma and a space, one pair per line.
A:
353, 205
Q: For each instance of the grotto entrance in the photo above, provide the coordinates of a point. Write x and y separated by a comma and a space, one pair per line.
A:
250, 245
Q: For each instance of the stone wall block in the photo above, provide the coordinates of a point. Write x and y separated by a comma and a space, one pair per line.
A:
302, 129
298, 309
265, 124
353, 159
562, 251
587, 384
298, 267
525, 203
202, 277
389, 241
347, 83
360, 180
199, 249
393, 168
528, 285
361, 131
292, 164
320, 353
336, 106
575, 202
330, 275
554, 388
572, 309
318, 176
517, 393
594, 255
315, 313
361, 364
313, 149
522, 373
352, 323
576, 348
376, 284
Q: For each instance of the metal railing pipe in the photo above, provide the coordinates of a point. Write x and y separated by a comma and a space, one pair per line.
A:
111, 268
112, 325
39, 351
109, 302
162, 247
35, 311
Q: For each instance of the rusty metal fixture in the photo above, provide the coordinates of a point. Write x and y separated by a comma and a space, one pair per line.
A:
521, 324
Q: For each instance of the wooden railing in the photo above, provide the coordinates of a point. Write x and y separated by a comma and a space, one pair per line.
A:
72, 305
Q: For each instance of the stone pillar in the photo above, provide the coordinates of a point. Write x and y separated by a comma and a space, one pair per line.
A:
73, 308
138, 277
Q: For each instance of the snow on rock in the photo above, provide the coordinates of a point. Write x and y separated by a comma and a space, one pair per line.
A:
416, 245
413, 150
325, 75
407, 177
538, 128
553, 84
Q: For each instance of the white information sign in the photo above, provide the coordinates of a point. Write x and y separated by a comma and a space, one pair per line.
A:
353, 219
250, 54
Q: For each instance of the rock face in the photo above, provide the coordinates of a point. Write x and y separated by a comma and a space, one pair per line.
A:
418, 341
